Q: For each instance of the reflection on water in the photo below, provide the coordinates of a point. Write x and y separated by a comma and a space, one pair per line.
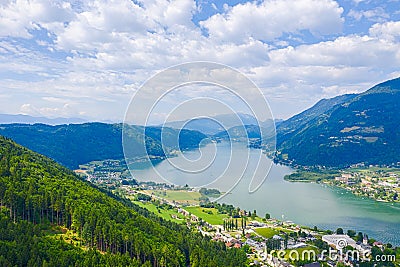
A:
304, 203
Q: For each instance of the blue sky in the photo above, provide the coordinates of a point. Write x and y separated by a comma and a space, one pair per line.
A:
86, 59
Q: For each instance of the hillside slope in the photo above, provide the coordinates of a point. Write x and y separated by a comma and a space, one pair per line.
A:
74, 144
37, 196
345, 130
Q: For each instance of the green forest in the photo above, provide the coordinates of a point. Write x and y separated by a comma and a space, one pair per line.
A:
38, 195
345, 130
75, 144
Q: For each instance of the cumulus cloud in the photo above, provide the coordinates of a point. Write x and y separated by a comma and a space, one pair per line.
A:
389, 30
270, 19
18, 18
93, 55
351, 51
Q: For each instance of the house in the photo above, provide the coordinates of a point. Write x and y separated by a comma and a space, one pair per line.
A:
255, 224
288, 223
272, 261
237, 245
184, 212
363, 249
378, 244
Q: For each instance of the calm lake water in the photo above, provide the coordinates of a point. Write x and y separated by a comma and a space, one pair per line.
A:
233, 165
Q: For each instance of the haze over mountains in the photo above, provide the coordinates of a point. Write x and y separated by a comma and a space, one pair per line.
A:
220, 123
21, 118
336, 132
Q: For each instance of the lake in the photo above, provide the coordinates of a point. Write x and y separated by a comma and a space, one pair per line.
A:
226, 166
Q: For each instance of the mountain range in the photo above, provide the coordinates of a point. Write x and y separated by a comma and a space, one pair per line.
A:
219, 123
337, 132
21, 118
345, 130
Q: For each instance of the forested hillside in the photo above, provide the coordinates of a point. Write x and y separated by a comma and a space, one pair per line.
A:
345, 130
37, 195
74, 144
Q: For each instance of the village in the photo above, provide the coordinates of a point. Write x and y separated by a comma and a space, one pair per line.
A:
267, 241
378, 185
381, 183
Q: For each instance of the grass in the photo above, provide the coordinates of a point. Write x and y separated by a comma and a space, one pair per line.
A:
266, 232
215, 218
163, 213
65, 234
180, 196
300, 253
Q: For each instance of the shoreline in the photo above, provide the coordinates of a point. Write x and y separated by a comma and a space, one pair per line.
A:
359, 190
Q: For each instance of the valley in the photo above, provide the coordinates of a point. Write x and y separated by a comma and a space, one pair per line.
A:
99, 214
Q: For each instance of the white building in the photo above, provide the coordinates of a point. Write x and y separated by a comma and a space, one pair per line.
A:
339, 241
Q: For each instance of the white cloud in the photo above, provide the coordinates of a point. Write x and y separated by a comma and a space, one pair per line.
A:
271, 19
377, 14
18, 17
109, 48
67, 110
389, 30
171, 13
351, 51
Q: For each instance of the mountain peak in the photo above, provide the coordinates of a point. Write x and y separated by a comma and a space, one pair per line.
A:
389, 86
345, 130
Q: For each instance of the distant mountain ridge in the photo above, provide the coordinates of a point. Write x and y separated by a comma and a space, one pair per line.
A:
216, 124
21, 118
244, 132
345, 130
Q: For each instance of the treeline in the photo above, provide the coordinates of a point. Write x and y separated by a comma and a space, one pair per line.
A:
36, 191
25, 244
222, 208
209, 192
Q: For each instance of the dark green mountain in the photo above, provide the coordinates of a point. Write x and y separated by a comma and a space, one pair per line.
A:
41, 201
74, 144
349, 129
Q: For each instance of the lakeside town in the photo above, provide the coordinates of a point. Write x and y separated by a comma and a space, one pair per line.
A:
267, 241
381, 183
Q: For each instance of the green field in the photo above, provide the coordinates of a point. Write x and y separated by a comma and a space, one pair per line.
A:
164, 213
181, 196
214, 218
266, 232
303, 253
